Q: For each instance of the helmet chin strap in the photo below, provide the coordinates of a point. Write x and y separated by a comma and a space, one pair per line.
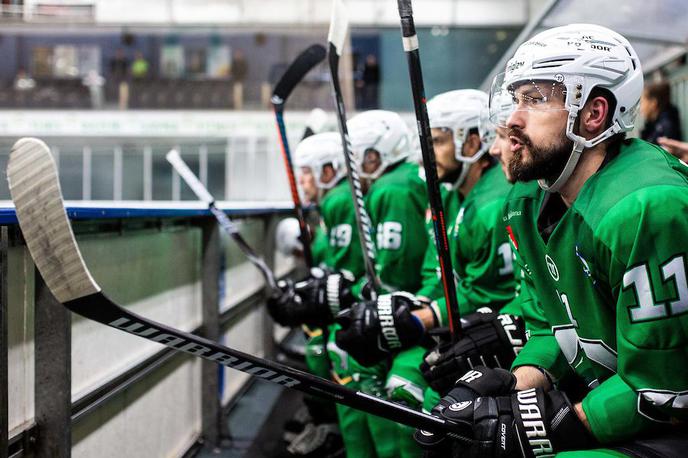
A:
467, 162
579, 144
568, 169
465, 167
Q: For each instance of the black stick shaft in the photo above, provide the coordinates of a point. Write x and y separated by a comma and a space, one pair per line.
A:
362, 218
100, 308
410, 41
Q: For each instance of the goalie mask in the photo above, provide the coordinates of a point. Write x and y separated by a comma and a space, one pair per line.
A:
459, 112
319, 150
557, 69
382, 131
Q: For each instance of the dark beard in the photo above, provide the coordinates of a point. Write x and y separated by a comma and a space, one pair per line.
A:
546, 163
452, 176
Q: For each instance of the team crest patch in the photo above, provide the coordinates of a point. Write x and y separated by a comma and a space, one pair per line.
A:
552, 267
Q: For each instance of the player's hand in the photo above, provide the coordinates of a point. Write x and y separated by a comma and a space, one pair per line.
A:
280, 303
372, 330
488, 339
313, 301
526, 424
675, 147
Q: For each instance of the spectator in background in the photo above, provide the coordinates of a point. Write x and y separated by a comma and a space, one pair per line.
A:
369, 83
661, 117
139, 67
239, 71
23, 81
94, 82
119, 66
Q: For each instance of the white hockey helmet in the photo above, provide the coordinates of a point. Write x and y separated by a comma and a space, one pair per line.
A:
287, 236
382, 131
319, 150
578, 58
460, 111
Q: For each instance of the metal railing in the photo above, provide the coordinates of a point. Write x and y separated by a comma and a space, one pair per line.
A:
67, 417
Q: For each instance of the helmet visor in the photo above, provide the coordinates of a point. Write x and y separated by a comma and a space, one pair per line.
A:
523, 96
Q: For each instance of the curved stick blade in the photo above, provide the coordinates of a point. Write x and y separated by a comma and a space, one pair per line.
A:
37, 196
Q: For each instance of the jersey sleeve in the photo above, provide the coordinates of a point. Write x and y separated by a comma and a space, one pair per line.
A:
642, 243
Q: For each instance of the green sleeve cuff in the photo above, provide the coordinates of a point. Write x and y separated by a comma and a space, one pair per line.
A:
612, 411
358, 287
544, 352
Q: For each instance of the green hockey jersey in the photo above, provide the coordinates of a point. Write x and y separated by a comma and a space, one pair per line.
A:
431, 284
480, 249
396, 204
610, 276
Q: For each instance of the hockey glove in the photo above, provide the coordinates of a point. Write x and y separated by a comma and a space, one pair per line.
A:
528, 424
478, 382
314, 301
372, 330
489, 340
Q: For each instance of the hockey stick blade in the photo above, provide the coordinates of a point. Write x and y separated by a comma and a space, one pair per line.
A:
337, 35
227, 225
37, 196
296, 71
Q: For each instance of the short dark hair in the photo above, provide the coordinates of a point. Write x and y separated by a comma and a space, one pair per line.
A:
661, 92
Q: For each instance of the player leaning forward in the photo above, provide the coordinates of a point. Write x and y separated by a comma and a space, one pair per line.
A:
605, 247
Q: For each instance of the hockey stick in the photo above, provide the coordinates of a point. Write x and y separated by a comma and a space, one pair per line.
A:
230, 228
35, 190
295, 73
410, 41
338, 30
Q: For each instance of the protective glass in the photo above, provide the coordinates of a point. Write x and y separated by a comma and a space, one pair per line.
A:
526, 95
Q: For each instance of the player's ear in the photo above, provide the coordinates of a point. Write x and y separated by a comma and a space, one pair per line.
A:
327, 173
593, 117
473, 144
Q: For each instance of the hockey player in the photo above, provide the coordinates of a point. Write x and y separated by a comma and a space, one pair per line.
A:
480, 251
316, 301
396, 202
597, 252
322, 178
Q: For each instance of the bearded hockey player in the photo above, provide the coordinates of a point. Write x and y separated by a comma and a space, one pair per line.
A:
604, 248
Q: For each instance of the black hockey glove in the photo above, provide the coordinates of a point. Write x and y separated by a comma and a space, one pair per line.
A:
478, 382
372, 330
528, 424
314, 301
489, 340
